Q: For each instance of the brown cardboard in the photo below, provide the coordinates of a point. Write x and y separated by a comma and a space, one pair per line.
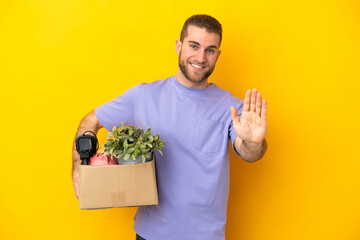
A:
114, 186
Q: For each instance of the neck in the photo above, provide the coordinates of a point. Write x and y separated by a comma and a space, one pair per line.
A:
184, 81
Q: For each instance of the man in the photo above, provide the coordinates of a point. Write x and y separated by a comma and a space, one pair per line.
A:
197, 119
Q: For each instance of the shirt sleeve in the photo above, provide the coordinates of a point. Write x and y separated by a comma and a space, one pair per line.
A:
120, 109
232, 134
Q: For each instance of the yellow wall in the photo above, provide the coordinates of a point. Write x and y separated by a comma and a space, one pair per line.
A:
304, 56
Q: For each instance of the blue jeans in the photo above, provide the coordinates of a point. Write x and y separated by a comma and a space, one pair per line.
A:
139, 238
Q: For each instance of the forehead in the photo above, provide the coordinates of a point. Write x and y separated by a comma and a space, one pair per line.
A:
202, 36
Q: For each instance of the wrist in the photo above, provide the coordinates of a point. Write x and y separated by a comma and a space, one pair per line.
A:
253, 144
253, 151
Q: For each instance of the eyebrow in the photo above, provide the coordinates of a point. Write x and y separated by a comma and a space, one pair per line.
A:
212, 46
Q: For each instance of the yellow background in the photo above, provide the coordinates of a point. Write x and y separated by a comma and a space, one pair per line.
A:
61, 59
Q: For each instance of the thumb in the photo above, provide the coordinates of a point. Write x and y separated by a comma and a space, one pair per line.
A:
234, 115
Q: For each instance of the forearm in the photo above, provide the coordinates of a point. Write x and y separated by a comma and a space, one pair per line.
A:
88, 123
248, 151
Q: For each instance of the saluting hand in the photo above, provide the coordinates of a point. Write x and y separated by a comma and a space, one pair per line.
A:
252, 125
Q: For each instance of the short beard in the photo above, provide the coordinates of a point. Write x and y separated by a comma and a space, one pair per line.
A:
183, 65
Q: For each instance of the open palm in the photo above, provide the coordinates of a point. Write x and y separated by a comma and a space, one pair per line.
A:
252, 125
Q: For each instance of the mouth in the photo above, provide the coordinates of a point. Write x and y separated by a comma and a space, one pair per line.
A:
197, 67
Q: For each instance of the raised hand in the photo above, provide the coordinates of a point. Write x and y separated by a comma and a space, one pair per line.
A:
252, 125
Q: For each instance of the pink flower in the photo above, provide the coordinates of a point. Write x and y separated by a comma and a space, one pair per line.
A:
101, 159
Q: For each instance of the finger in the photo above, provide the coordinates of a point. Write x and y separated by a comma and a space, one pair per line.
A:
264, 109
76, 189
258, 103
253, 100
234, 115
246, 106
76, 185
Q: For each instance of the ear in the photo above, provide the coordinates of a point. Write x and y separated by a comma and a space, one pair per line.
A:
178, 46
218, 54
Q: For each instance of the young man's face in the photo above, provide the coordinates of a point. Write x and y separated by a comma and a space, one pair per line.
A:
198, 54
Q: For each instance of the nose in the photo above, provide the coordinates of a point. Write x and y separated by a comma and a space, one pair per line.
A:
200, 56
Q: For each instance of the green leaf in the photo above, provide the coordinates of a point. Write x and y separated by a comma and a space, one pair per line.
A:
149, 144
143, 158
133, 157
114, 129
127, 156
130, 150
161, 152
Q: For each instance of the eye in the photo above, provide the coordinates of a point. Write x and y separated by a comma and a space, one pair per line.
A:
193, 46
210, 51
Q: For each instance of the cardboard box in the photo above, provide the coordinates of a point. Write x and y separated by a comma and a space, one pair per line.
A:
112, 186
